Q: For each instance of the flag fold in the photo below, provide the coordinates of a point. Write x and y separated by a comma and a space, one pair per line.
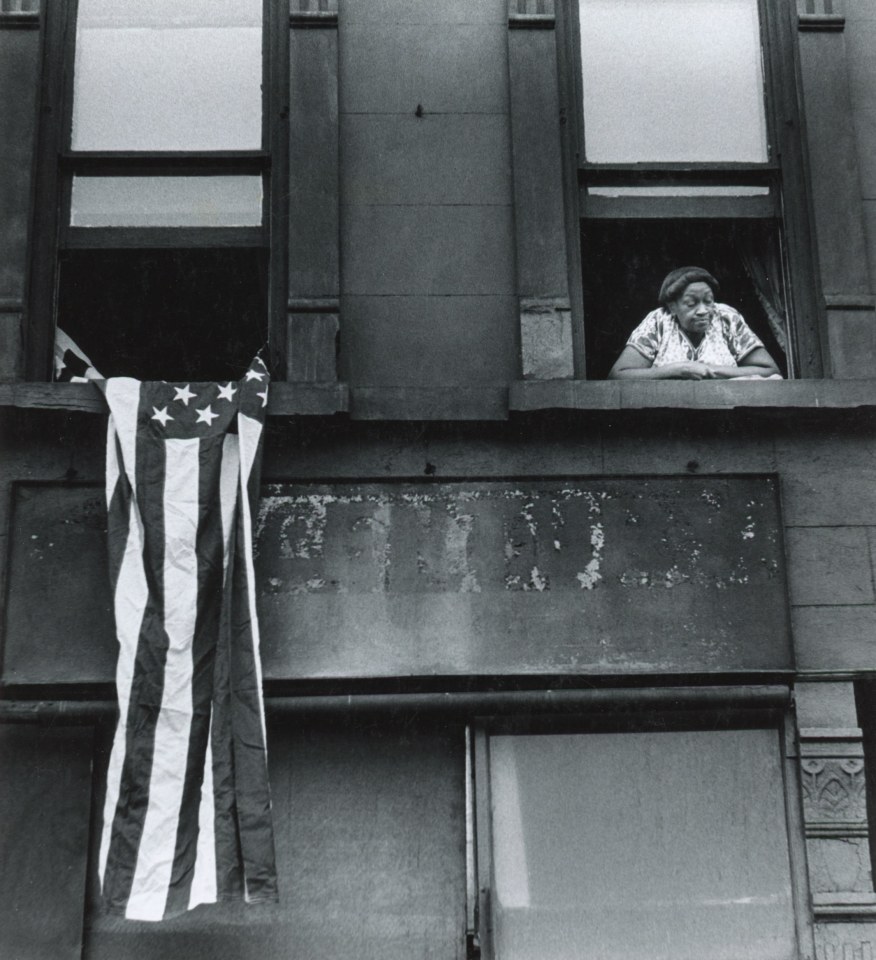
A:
187, 817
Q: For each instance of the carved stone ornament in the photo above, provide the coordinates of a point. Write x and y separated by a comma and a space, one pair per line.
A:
833, 790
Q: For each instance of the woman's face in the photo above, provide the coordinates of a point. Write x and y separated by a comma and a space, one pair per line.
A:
695, 307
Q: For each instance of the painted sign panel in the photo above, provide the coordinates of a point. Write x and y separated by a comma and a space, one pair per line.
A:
599, 576
596, 576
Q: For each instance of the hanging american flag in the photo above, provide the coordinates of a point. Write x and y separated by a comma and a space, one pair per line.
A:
187, 818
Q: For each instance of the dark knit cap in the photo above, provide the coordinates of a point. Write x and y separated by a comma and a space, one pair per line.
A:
677, 280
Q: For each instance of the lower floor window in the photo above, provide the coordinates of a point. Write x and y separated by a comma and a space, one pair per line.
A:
668, 845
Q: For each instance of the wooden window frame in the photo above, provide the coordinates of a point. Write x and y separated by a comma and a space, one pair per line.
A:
708, 709
785, 172
56, 164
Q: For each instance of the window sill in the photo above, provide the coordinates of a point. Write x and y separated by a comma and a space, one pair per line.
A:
493, 402
286, 399
533, 395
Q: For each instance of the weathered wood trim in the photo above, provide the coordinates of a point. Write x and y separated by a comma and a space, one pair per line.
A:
824, 23
456, 704
314, 305
117, 238
18, 14
532, 21
312, 347
539, 203
533, 395
451, 402
849, 301
531, 9
286, 399
313, 13
315, 18
313, 222
820, 15
714, 207
838, 223
19, 20
493, 402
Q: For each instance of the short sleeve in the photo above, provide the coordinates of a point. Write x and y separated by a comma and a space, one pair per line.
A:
646, 337
741, 339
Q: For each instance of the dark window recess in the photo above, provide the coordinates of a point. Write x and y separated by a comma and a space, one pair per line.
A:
625, 261
192, 314
865, 696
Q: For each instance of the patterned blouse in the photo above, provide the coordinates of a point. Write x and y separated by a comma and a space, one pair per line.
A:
728, 339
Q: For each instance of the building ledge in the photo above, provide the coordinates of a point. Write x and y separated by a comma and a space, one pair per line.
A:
533, 395
494, 401
286, 399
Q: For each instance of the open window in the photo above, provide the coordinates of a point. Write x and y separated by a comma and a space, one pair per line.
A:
689, 154
154, 251
665, 839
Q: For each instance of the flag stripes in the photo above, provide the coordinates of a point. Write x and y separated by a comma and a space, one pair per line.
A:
187, 813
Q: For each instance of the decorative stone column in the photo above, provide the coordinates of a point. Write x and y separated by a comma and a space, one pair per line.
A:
836, 189
539, 213
835, 818
314, 225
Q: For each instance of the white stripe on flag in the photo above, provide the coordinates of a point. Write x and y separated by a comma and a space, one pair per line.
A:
130, 600
250, 432
173, 727
113, 469
204, 876
123, 397
204, 880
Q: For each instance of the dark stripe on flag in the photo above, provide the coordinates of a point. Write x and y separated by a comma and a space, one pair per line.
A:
250, 763
118, 518
147, 687
210, 573
229, 857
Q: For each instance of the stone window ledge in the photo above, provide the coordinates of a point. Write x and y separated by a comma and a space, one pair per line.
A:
286, 399
497, 402
533, 395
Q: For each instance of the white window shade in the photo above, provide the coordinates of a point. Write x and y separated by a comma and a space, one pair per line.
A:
168, 76
671, 846
672, 81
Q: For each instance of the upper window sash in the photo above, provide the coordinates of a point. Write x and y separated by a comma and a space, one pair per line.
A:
672, 81
166, 76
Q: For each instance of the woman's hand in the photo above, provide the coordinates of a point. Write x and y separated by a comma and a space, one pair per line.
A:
692, 370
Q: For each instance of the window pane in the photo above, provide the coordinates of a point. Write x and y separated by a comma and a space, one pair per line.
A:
165, 75
166, 202
670, 846
672, 80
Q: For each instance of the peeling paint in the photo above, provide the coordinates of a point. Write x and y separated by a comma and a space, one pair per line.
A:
591, 575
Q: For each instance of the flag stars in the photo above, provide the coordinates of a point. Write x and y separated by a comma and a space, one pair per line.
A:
162, 416
206, 415
264, 397
227, 392
184, 394
254, 375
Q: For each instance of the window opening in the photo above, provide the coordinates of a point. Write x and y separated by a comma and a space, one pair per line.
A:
154, 257
681, 161
626, 261
183, 314
658, 843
